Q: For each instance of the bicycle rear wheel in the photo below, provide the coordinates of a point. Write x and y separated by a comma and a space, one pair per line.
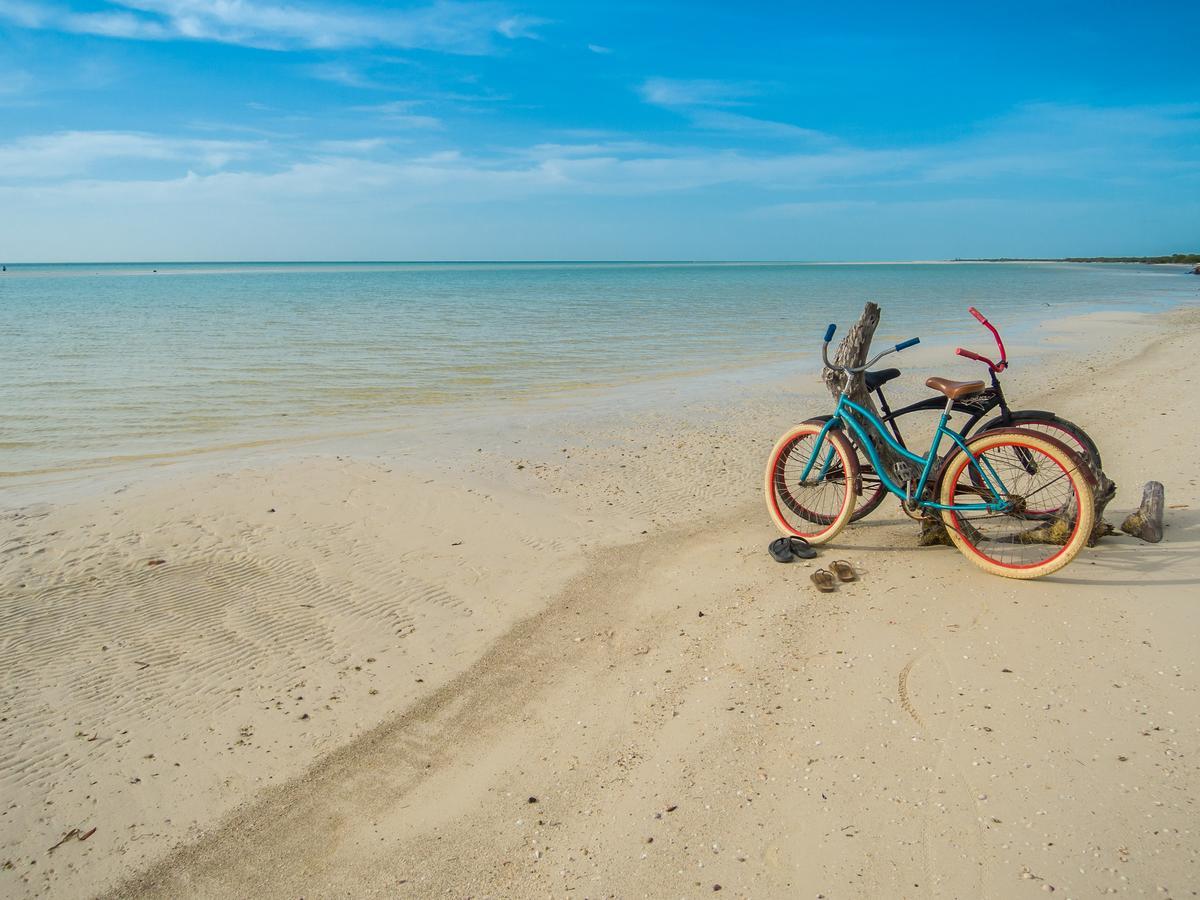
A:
1035, 470
815, 508
1054, 426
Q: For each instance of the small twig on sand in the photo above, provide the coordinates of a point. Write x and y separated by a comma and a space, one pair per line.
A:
74, 832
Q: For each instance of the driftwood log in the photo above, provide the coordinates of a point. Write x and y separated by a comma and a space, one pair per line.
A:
855, 350
1146, 522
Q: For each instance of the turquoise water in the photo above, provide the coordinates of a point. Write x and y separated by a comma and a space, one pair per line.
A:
104, 362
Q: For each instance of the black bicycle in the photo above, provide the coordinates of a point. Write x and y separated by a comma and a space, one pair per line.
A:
975, 403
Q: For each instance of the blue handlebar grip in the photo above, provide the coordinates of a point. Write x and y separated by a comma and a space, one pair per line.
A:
908, 343
829, 333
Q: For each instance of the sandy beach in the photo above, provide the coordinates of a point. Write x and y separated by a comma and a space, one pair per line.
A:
556, 660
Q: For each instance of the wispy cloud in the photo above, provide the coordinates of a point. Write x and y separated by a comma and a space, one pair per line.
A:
344, 74
1064, 141
707, 104
446, 25
352, 148
515, 27
675, 92
72, 153
597, 48
400, 112
723, 120
792, 181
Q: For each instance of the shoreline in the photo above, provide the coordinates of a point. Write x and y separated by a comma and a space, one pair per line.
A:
312, 607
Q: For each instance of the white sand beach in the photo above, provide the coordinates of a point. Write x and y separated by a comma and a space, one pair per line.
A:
561, 663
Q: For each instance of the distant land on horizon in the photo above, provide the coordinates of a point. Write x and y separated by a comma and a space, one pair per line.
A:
1178, 258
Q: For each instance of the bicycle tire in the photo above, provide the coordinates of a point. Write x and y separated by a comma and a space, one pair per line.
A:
818, 509
1009, 543
1053, 425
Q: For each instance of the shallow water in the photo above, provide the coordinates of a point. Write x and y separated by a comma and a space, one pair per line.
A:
107, 362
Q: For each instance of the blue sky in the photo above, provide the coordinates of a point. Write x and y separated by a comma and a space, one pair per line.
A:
233, 129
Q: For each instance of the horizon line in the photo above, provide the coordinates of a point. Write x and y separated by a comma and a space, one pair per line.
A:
566, 261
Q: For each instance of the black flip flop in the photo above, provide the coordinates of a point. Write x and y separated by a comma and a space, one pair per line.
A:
780, 550
786, 549
801, 548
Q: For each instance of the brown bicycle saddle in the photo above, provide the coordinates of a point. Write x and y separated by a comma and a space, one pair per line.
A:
954, 389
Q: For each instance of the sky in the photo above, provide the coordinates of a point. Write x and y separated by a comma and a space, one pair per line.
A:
278, 130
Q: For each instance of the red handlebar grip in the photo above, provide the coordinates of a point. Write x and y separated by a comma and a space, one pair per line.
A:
969, 355
977, 314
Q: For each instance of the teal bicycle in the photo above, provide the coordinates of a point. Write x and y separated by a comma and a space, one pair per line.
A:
1016, 502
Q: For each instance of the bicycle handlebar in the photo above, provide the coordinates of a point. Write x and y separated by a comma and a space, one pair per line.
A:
870, 362
997, 366
975, 356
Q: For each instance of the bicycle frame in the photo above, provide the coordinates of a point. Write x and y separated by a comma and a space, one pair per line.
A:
974, 408
845, 415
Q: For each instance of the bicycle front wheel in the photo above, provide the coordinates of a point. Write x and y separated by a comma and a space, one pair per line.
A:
1032, 471
818, 505
871, 491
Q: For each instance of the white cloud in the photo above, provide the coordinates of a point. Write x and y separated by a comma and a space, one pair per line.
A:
351, 148
338, 169
400, 112
343, 73
705, 103
521, 27
115, 24
71, 153
1066, 141
723, 120
695, 92
27, 15
823, 179
598, 148
597, 48
446, 25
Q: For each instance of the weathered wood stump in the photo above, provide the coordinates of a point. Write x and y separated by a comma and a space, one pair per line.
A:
1146, 522
853, 351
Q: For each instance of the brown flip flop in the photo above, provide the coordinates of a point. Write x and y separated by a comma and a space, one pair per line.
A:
823, 580
843, 570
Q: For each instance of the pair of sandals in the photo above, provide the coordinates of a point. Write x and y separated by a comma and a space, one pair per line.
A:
786, 549
824, 579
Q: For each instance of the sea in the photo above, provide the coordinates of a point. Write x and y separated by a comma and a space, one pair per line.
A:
105, 364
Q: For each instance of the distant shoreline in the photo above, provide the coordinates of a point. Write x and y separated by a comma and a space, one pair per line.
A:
1174, 259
